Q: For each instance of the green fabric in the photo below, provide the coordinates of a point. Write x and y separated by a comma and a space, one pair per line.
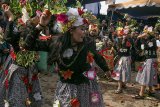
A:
42, 64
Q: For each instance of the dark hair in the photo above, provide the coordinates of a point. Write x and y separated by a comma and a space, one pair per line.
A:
51, 25
3, 24
66, 42
6, 2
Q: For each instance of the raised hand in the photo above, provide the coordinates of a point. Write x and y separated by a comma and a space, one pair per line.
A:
45, 17
7, 12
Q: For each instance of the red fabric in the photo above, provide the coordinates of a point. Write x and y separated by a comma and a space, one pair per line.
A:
6, 83
25, 80
34, 77
29, 88
113, 74
13, 55
44, 37
75, 103
90, 58
140, 68
155, 65
108, 58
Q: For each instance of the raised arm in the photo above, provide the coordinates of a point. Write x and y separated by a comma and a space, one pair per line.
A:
10, 36
32, 41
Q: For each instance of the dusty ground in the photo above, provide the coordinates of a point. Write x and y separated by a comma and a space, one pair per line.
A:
48, 83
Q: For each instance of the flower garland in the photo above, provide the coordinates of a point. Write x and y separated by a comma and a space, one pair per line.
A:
157, 26
75, 17
26, 58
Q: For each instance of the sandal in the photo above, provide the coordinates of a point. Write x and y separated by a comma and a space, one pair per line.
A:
151, 94
118, 91
138, 97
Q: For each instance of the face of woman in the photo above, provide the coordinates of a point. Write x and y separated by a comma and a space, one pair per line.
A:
78, 34
93, 33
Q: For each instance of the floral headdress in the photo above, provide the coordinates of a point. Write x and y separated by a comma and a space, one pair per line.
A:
75, 17
157, 26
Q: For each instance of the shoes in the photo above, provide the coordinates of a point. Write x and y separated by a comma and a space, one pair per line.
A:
138, 97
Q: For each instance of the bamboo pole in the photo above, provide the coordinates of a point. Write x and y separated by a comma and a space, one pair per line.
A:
112, 14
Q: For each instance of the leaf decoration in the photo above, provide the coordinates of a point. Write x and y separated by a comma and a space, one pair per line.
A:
26, 58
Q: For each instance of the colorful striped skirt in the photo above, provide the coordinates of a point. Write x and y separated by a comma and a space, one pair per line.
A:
147, 74
23, 85
122, 70
87, 95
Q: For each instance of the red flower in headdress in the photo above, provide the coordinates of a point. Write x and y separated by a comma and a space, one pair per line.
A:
85, 21
75, 103
80, 11
121, 32
23, 2
62, 18
94, 26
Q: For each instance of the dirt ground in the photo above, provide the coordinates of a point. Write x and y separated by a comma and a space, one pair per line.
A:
48, 83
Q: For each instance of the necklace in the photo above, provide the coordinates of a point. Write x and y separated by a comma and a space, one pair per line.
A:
70, 64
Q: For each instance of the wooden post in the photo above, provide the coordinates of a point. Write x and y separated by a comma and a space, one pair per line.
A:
112, 13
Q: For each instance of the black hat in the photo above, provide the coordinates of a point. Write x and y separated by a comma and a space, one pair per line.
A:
6, 2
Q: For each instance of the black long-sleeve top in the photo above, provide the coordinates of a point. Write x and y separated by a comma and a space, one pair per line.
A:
11, 36
80, 64
149, 47
124, 47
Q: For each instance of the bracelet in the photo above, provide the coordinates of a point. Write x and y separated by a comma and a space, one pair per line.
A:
42, 25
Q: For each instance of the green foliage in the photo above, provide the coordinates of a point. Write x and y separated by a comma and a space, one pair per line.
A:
58, 6
15, 7
78, 4
157, 26
55, 6
26, 58
132, 22
120, 24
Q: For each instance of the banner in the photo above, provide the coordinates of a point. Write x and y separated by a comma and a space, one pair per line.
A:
110, 2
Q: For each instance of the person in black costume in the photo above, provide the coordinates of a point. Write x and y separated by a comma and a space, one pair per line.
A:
76, 62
